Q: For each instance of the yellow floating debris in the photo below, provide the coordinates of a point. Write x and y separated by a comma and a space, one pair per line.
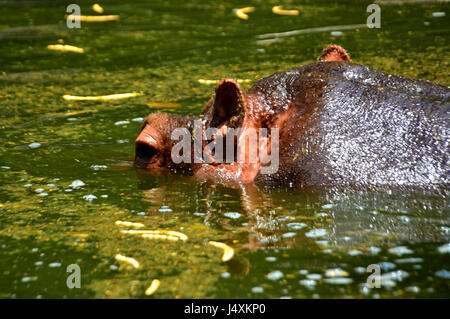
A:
160, 236
128, 260
179, 235
77, 113
228, 252
129, 224
101, 97
65, 47
97, 8
163, 104
111, 17
203, 81
153, 287
81, 235
242, 12
279, 10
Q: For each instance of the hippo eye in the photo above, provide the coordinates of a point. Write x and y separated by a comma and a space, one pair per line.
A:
145, 152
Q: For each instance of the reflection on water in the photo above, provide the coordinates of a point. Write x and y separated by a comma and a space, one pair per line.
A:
315, 231
351, 218
66, 173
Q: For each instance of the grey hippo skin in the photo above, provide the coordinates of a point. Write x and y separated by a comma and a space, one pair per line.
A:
340, 124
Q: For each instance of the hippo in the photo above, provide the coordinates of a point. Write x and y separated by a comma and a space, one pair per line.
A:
333, 123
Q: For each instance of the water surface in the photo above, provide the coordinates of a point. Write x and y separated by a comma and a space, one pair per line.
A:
292, 244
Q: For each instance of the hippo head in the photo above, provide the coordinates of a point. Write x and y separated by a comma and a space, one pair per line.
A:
156, 139
232, 138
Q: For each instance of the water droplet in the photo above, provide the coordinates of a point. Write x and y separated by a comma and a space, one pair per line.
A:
319, 232
336, 33
338, 281
89, 197
96, 167
411, 260
444, 249
289, 235
275, 275
443, 273
308, 283
414, 289
77, 184
397, 275
26, 279
322, 242
360, 270
438, 14
34, 145
232, 215
199, 214
400, 250
296, 226
257, 290
354, 252
122, 123
404, 219
386, 265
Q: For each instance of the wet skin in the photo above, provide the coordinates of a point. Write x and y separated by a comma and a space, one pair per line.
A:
162, 49
340, 124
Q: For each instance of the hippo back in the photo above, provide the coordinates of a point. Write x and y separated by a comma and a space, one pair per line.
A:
347, 124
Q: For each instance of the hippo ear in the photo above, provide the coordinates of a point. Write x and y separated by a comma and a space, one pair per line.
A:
228, 107
334, 53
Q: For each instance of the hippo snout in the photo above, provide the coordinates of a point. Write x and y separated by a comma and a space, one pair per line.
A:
144, 153
147, 152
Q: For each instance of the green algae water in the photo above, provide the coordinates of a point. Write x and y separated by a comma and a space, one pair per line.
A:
67, 175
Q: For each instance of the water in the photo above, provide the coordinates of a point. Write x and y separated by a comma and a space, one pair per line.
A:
314, 244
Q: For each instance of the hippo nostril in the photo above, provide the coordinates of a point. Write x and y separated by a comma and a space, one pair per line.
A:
145, 152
